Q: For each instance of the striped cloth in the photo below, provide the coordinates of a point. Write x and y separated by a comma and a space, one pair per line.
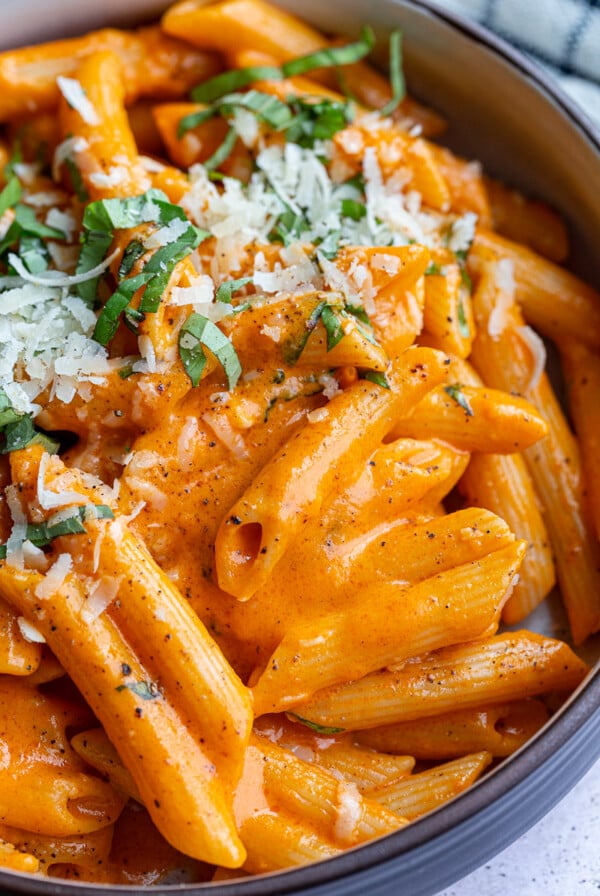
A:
562, 35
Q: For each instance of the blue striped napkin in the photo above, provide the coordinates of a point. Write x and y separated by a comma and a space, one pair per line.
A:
562, 35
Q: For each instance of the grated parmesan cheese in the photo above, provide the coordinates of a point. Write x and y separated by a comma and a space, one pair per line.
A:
349, 812
48, 499
29, 631
317, 415
165, 235
77, 99
116, 174
100, 598
55, 577
273, 333
66, 150
536, 346
462, 233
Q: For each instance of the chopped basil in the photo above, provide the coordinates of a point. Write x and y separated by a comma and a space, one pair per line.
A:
328, 57
42, 534
288, 227
320, 729
333, 326
160, 266
374, 376
396, 74
132, 253
76, 180
199, 333
10, 195
100, 220
27, 221
222, 153
433, 269
126, 372
7, 412
33, 254
266, 107
26, 224
227, 82
19, 432
357, 181
108, 320
316, 119
226, 290
465, 278
95, 245
455, 392
295, 346
351, 208
331, 57
15, 159
463, 325
147, 690
358, 311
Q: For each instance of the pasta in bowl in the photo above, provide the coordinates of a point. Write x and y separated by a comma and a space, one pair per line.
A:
277, 433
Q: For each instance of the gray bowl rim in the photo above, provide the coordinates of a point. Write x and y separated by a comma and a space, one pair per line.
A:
558, 756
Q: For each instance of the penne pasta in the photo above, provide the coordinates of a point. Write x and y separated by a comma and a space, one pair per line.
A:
501, 668
499, 729
395, 622
424, 792
251, 539
582, 372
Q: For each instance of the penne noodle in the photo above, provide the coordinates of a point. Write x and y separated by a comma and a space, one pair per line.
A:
104, 130
291, 488
390, 624
554, 463
501, 668
474, 418
527, 221
28, 75
582, 373
278, 841
501, 482
176, 779
13, 859
18, 655
553, 300
76, 803
419, 794
448, 316
95, 748
80, 851
500, 729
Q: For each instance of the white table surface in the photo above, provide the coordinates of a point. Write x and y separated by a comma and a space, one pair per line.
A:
560, 856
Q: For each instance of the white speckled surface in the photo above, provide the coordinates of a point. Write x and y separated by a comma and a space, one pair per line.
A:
560, 856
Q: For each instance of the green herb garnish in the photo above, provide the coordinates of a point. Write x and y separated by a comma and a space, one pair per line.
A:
320, 729
199, 333
226, 289
42, 534
455, 392
147, 690
396, 74
374, 376
328, 57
